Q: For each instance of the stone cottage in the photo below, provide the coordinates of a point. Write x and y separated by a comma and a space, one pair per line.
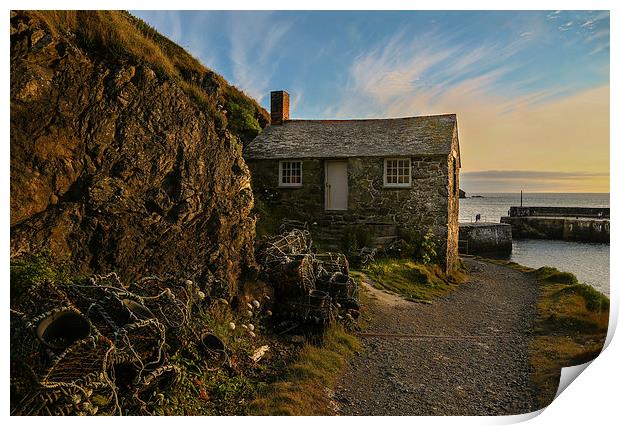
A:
379, 173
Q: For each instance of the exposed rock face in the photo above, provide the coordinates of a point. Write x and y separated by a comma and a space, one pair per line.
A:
115, 167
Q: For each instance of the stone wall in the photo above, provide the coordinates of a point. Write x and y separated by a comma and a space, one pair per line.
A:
452, 249
558, 228
430, 203
594, 212
485, 237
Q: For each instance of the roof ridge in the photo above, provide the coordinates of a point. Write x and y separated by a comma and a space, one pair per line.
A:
346, 120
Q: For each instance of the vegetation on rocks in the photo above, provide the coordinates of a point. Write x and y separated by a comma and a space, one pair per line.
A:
121, 36
33, 269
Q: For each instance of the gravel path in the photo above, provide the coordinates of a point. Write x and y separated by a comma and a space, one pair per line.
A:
475, 363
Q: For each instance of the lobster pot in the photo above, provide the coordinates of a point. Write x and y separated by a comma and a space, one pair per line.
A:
350, 298
294, 278
140, 342
60, 329
277, 249
332, 274
109, 315
330, 263
167, 301
169, 310
213, 351
41, 299
157, 380
312, 309
69, 400
28, 355
94, 290
85, 361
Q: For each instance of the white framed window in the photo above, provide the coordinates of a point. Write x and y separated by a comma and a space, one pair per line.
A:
397, 172
290, 173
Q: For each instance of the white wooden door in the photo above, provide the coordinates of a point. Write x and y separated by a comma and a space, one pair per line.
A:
336, 185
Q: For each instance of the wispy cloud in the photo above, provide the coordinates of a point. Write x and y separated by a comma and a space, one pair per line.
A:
253, 58
499, 117
418, 75
396, 67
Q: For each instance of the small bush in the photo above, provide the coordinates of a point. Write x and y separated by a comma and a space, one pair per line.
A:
419, 247
354, 238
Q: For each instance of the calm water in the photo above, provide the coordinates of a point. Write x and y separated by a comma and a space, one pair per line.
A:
589, 262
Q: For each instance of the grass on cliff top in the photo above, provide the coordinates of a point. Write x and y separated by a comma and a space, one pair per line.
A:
303, 391
414, 281
119, 34
570, 329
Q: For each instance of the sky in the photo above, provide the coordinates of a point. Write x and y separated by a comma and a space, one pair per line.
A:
530, 88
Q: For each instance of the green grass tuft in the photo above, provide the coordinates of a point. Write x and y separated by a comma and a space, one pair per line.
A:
302, 391
412, 280
595, 301
552, 275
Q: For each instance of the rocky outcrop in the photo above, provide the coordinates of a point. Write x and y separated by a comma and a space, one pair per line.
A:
115, 167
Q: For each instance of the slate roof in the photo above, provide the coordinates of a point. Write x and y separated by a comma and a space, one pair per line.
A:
427, 135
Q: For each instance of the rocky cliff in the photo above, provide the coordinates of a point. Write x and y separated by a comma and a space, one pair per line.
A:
125, 152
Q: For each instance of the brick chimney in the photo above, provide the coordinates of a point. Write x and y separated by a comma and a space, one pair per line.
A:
279, 107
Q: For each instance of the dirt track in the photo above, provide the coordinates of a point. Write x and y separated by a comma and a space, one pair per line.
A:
465, 354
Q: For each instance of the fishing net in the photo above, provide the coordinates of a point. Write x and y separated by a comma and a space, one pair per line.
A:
41, 299
296, 277
310, 288
279, 249
91, 347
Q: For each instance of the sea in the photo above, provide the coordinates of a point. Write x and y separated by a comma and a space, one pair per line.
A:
588, 261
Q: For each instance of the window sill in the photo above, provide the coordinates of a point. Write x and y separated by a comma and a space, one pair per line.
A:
290, 186
408, 186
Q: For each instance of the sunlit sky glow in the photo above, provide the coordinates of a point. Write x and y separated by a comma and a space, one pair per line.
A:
530, 88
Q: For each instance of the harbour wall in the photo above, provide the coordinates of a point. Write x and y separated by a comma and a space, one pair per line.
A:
485, 238
576, 212
559, 228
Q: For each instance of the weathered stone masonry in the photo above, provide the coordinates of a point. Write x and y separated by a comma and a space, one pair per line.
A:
429, 203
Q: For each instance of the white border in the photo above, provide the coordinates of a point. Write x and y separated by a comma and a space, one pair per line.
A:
590, 400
